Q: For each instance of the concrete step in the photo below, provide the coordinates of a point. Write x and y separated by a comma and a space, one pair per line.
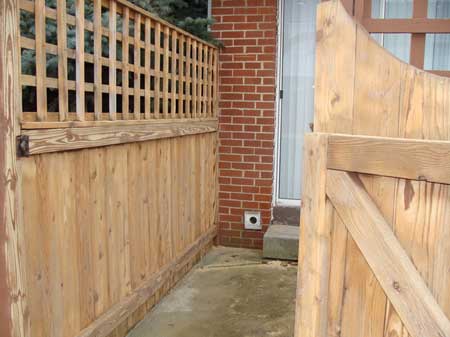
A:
281, 242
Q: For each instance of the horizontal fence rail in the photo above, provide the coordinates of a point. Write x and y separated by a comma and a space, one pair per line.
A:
108, 60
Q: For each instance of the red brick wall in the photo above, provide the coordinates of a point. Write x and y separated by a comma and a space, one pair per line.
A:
248, 30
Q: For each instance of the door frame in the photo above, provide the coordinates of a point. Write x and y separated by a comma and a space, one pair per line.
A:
276, 200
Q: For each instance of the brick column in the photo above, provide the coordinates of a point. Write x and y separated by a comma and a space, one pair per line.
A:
248, 29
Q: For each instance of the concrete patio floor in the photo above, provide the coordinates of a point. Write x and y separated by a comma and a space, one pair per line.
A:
232, 292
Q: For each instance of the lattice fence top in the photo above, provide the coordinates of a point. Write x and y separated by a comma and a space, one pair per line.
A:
93, 60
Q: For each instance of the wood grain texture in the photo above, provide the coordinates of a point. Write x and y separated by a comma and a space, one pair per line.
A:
334, 84
392, 266
362, 89
119, 312
315, 234
13, 305
424, 160
53, 140
107, 217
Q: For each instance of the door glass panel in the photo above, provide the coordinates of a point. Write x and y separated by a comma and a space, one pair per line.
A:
437, 46
398, 44
392, 9
297, 104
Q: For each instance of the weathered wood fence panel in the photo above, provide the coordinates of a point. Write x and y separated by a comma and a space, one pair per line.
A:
110, 180
100, 225
361, 89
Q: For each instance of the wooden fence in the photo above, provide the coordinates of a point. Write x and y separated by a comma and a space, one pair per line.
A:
128, 64
109, 164
374, 232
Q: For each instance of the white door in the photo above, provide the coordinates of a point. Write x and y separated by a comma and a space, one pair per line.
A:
296, 100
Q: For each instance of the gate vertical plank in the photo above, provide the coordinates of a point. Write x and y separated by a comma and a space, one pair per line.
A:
333, 104
372, 116
314, 251
337, 275
334, 83
402, 283
422, 210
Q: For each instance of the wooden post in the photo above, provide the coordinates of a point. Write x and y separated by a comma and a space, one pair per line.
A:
315, 233
10, 109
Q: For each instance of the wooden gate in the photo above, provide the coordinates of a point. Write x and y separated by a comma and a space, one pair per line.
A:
374, 247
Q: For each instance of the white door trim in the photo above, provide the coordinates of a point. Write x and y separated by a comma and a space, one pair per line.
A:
276, 200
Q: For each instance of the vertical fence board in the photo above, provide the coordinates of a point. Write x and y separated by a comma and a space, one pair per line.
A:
181, 60
188, 77
157, 80
147, 67
63, 101
194, 79
137, 66
98, 59
166, 73
199, 79
210, 77
125, 61
112, 59
79, 59
216, 83
173, 86
205, 82
41, 61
